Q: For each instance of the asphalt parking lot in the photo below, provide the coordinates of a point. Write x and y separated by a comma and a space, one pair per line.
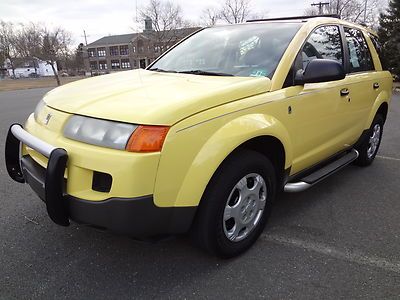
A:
340, 239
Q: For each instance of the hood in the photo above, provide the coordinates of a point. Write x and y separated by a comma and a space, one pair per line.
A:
151, 98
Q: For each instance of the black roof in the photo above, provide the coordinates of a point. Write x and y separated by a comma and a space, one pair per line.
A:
114, 39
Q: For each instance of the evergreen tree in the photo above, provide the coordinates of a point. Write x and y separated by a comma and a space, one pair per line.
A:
389, 35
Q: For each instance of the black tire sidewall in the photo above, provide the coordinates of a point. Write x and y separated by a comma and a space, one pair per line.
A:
218, 191
363, 159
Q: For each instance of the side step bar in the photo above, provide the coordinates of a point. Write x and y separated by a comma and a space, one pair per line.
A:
320, 174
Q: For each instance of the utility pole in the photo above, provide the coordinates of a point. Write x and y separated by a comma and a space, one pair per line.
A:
365, 11
320, 6
85, 36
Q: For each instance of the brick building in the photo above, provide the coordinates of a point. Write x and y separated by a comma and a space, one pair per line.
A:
131, 51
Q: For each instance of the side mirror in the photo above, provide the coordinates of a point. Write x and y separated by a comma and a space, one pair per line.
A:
320, 70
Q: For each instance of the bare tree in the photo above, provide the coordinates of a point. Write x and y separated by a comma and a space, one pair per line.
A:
49, 45
165, 17
311, 12
258, 15
352, 10
7, 44
210, 16
54, 46
28, 41
2, 59
235, 11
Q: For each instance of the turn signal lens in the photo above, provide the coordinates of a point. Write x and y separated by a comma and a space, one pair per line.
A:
147, 139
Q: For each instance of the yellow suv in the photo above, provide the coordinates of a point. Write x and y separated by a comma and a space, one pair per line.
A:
206, 137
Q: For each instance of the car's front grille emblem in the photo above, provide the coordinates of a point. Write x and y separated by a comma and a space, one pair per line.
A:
47, 119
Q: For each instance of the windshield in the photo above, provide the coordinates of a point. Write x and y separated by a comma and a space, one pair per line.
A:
251, 50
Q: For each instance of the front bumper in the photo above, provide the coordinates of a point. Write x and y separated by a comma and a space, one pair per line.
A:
138, 217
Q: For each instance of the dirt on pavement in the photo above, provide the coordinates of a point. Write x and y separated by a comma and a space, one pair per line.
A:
33, 83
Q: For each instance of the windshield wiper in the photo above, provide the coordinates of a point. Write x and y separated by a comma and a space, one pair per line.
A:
201, 72
162, 70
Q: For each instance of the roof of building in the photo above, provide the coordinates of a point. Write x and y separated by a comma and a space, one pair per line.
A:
113, 39
126, 38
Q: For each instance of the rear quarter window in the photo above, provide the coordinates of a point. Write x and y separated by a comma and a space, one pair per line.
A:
360, 59
379, 50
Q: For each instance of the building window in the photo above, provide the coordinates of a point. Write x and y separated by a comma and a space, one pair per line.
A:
124, 50
134, 63
140, 46
114, 50
102, 65
115, 64
157, 49
101, 52
125, 64
93, 65
134, 49
91, 52
148, 61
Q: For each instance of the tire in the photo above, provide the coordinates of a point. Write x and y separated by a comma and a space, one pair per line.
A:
369, 147
239, 195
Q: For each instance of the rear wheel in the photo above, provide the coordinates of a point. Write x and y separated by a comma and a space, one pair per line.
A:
236, 204
370, 146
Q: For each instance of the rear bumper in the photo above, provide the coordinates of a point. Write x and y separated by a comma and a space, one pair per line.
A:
138, 217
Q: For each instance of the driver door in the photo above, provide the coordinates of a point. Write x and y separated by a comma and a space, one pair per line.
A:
318, 122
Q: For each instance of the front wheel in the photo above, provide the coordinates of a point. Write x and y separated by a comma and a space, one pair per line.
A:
236, 204
370, 146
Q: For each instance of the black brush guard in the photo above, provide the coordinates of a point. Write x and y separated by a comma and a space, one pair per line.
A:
50, 185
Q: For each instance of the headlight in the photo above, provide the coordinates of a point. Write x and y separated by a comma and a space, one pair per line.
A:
38, 109
99, 132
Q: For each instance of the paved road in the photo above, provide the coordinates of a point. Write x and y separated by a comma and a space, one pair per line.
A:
340, 239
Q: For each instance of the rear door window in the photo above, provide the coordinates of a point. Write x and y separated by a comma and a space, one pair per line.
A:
359, 56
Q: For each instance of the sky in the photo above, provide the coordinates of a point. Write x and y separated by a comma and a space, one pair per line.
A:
104, 17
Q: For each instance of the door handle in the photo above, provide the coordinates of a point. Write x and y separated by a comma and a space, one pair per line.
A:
376, 85
344, 92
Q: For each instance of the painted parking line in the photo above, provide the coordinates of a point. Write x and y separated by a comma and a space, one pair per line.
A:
388, 157
353, 256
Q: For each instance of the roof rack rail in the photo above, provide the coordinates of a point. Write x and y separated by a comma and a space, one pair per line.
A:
295, 18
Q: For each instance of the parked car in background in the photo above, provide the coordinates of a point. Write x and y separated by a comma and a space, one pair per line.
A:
34, 75
207, 136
